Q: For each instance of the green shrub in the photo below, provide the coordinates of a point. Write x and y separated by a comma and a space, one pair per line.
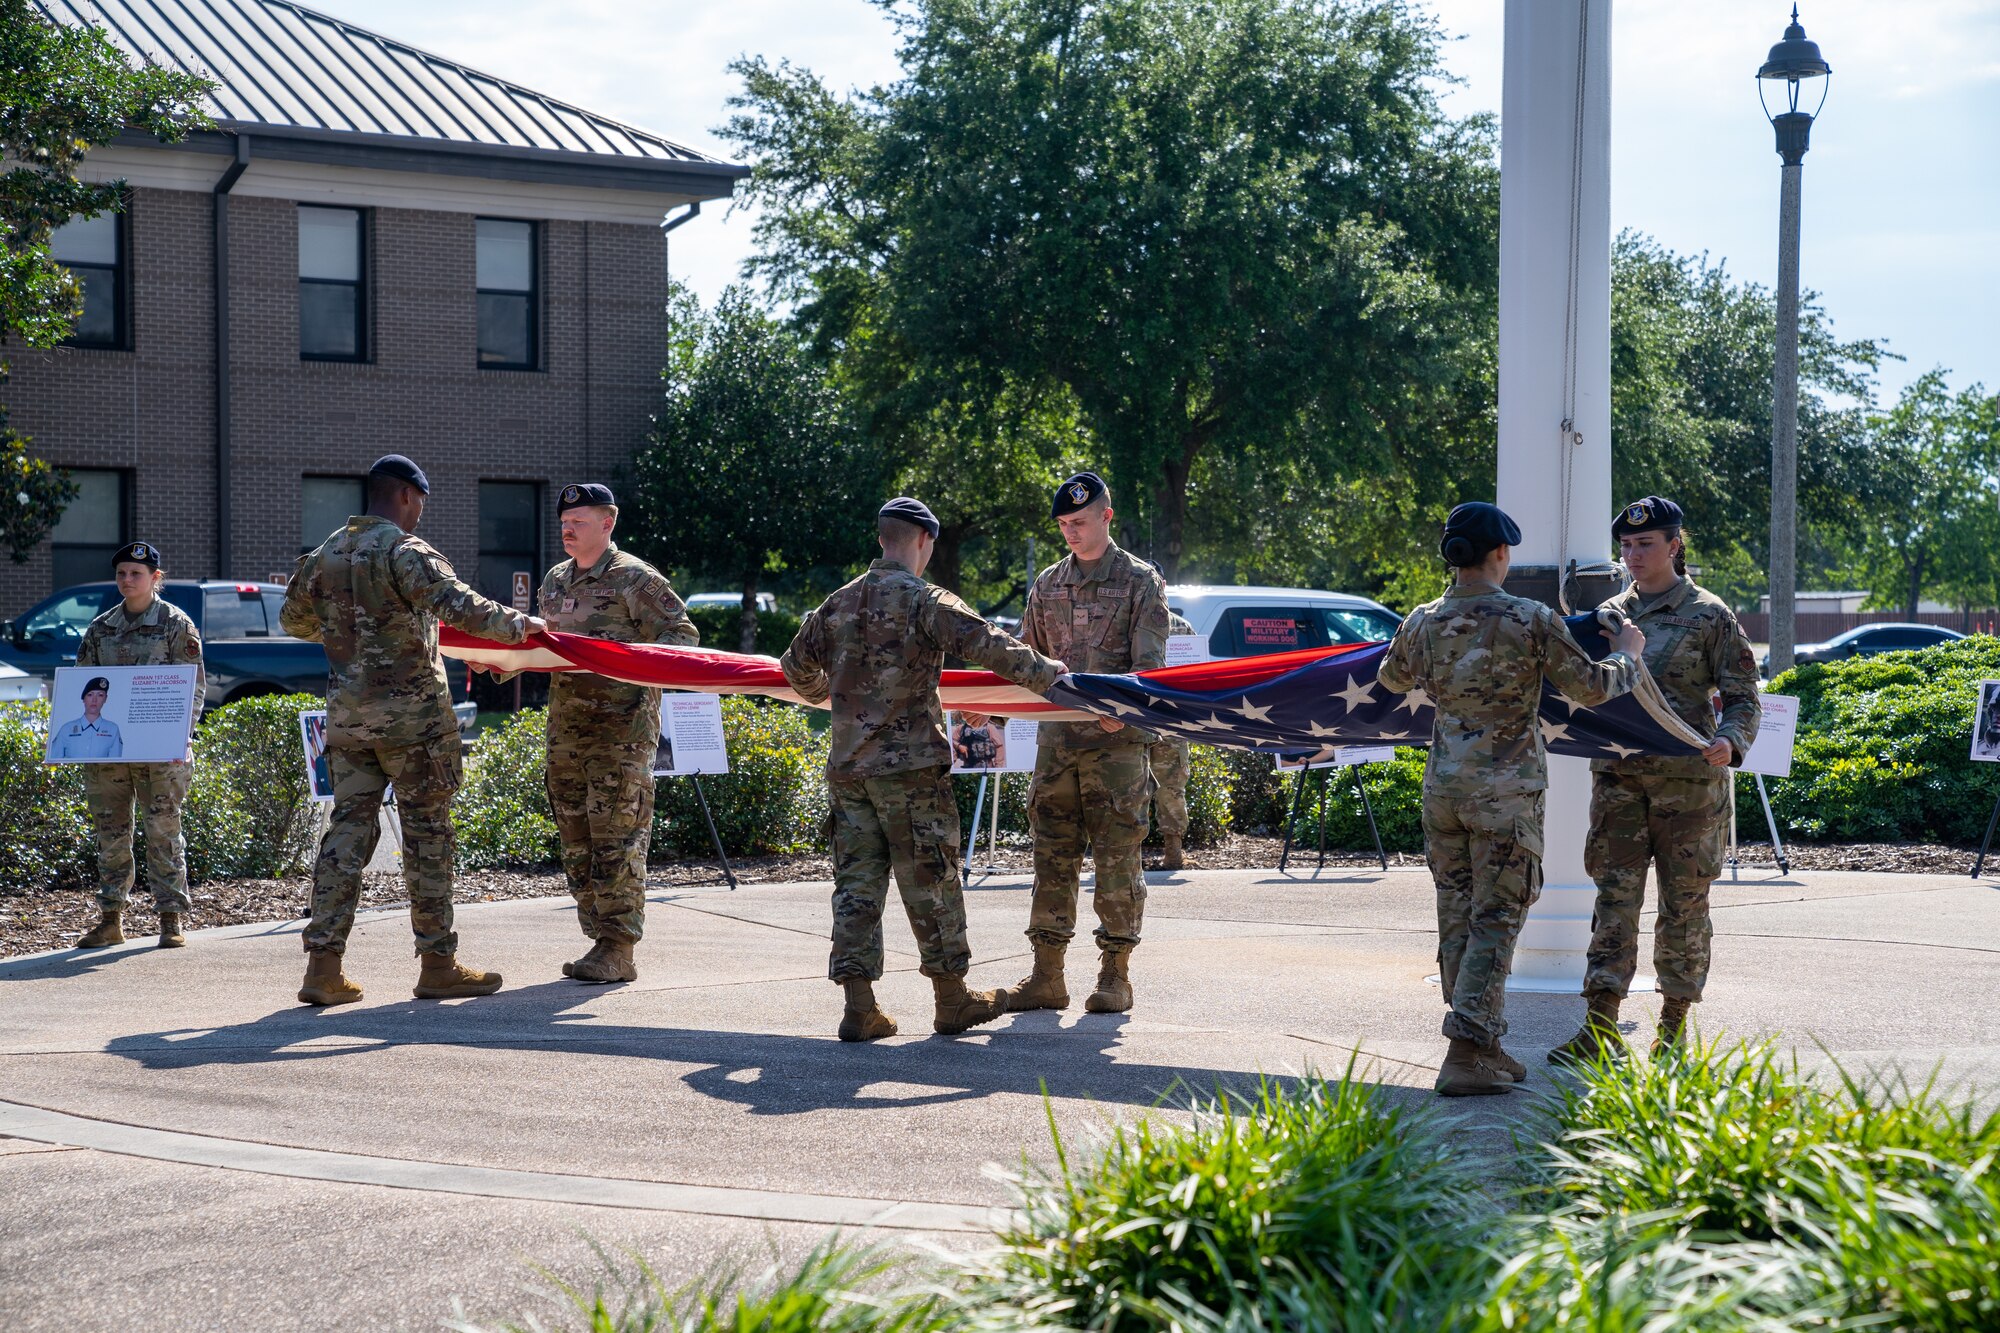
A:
502, 816
1317, 1190
249, 808
772, 801
722, 627
1208, 796
1258, 795
43, 818
1884, 748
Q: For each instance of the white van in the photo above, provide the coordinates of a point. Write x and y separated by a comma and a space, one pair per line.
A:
1248, 622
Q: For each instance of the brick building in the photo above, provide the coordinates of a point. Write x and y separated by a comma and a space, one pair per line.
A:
375, 249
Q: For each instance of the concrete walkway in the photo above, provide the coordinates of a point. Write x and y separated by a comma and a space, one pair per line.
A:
185, 1147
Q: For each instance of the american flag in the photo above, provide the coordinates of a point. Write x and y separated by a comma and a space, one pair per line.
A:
1318, 698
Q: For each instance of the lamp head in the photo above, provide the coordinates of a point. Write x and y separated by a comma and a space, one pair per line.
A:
1792, 61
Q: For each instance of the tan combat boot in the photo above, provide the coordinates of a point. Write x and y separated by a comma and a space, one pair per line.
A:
1493, 1053
442, 977
863, 1019
1673, 1025
959, 1008
170, 931
1597, 1039
1114, 984
325, 982
612, 961
1043, 988
1173, 858
1466, 1072
595, 952
106, 932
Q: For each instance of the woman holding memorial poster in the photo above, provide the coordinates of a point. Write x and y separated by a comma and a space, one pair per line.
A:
141, 629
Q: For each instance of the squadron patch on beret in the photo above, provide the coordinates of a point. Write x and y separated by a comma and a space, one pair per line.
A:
1077, 492
139, 553
584, 493
1651, 514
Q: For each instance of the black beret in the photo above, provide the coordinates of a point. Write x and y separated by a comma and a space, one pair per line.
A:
911, 511
402, 469
589, 493
97, 683
1651, 514
1077, 492
141, 553
1473, 530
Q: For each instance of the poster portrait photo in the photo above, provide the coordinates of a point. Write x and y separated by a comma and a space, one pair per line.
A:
1986, 723
978, 749
121, 715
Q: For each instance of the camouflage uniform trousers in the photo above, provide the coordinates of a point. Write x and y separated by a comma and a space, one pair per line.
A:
906, 824
1486, 858
1679, 825
1169, 760
1089, 801
158, 790
602, 799
426, 776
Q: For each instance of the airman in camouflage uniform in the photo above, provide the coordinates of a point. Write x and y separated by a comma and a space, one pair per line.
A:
1480, 655
874, 649
1169, 760
142, 629
602, 733
373, 595
1099, 609
1669, 813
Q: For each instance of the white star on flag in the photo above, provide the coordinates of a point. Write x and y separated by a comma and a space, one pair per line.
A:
1252, 712
1623, 752
1555, 731
1416, 699
1357, 693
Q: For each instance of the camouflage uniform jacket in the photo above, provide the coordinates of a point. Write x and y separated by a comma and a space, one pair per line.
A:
1110, 617
625, 600
1480, 655
875, 649
1177, 623
373, 595
1694, 647
163, 636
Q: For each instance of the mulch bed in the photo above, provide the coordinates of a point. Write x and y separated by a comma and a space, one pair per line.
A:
53, 919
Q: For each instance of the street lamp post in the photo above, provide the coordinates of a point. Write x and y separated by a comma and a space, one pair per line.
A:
1793, 61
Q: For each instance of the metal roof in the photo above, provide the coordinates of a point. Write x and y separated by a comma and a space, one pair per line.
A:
280, 66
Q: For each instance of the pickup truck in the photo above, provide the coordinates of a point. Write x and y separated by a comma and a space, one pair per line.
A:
243, 647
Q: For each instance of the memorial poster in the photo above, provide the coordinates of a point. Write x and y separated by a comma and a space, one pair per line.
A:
121, 715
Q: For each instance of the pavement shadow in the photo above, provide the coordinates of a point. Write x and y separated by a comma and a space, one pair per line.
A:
77, 962
1071, 1055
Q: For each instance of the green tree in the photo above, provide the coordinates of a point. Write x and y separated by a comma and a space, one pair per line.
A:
1933, 514
1206, 219
755, 466
1691, 365
63, 91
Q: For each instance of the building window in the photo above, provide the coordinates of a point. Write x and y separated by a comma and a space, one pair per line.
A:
92, 529
510, 537
326, 503
506, 282
333, 306
93, 250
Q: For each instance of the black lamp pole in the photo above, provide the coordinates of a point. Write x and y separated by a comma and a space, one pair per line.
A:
1793, 61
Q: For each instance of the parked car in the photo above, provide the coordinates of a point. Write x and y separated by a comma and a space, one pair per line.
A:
1249, 622
765, 601
17, 685
244, 649
1866, 641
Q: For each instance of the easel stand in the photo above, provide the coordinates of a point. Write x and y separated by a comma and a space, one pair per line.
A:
1325, 787
714, 837
1987, 844
1770, 822
992, 866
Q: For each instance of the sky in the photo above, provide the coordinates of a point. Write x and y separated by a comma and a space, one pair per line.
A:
1901, 231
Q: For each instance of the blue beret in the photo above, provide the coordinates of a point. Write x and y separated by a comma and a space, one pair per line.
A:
1473, 530
911, 511
402, 469
1076, 493
1651, 514
142, 553
589, 493
97, 683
